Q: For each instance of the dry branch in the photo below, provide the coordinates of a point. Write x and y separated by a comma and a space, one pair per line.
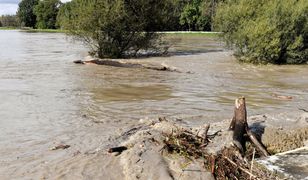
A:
242, 169
258, 144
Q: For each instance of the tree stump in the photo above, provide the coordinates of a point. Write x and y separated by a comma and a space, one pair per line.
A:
240, 129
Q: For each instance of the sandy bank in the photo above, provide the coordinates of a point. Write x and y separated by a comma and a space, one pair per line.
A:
146, 158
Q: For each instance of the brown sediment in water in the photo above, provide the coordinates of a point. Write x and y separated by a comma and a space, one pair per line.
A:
86, 106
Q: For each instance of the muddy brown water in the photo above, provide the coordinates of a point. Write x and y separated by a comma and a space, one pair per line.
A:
46, 100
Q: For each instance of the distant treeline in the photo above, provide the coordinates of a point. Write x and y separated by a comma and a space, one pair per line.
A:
259, 31
183, 15
9, 21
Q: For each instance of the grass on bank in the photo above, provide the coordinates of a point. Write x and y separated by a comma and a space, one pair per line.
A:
167, 33
44, 30
8, 28
191, 34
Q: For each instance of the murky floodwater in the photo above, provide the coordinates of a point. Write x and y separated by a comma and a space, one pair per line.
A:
45, 99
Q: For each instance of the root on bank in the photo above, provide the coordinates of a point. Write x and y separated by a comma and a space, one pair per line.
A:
233, 162
226, 164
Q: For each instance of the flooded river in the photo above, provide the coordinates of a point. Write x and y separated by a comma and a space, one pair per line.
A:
46, 100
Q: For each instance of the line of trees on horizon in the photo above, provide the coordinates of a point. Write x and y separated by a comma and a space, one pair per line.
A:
9, 21
183, 15
258, 31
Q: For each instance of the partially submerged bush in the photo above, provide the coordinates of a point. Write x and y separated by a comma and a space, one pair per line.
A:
262, 31
116, 28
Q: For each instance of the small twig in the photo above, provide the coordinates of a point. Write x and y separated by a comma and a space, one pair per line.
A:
192, 134
60, 146
213, 164
211, 136
193, 170
253, 158
242, 169
206, 129
302, 109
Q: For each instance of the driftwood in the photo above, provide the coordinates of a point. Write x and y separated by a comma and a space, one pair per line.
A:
302, 109
60, 146
283, 97
240, 128
114, 63
257, 143
118, 149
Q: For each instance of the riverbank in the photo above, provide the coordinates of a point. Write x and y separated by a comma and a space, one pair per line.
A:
8, 28
43, 30
167, 33
149, 156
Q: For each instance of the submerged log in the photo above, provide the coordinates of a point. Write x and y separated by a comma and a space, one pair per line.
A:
283, 97
106, 62
240, 129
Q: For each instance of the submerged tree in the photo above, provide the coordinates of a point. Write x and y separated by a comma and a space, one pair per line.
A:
262, 31
116, 28
25, 12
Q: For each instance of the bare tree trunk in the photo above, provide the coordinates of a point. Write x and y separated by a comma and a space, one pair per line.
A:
240, 129
239, 124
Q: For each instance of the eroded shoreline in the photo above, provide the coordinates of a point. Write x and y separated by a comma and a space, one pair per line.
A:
145, 157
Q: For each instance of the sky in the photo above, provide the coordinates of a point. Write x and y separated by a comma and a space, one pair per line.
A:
11, 6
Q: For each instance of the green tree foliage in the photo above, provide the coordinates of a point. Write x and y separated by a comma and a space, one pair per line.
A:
64, 14
197, 15
46, 12
265, 31
116, 28
192, 15
176, 9
8, 21
25, 12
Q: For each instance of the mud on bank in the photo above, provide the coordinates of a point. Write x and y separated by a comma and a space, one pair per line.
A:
160, 149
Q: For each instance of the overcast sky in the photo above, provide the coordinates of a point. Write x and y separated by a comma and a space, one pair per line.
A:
11, 6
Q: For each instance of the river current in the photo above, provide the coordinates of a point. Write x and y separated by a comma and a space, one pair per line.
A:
46, 100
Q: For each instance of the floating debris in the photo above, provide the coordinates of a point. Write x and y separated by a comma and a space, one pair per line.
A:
60, 146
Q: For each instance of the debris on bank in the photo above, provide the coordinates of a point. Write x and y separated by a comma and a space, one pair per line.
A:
164, 149
60, 146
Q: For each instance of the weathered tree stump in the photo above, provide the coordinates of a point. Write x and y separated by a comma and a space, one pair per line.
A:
240, 129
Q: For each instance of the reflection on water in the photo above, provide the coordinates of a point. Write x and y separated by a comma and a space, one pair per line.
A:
46, 99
